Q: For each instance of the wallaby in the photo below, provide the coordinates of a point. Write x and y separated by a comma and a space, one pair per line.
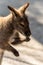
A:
15, 21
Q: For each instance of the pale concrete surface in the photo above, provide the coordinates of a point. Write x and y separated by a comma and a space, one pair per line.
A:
31, 53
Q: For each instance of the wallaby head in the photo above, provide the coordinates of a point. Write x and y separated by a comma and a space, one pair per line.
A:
21, 22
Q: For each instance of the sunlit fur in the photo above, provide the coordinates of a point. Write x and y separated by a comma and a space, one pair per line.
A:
15, 21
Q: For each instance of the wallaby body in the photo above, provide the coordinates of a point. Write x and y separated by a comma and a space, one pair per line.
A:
6, 28
15, 21
6, 31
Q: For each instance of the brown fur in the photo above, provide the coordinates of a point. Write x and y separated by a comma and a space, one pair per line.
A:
16, 20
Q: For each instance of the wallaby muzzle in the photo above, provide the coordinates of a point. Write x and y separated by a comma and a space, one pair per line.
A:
27, 33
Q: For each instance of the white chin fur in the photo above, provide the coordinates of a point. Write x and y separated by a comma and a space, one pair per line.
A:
21, 36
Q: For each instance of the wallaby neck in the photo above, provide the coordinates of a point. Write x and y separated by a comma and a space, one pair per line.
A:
9, 17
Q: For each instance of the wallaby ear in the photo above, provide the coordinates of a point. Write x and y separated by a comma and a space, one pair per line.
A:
23, 8
13, 10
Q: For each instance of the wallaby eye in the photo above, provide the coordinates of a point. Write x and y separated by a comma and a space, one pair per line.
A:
22, 24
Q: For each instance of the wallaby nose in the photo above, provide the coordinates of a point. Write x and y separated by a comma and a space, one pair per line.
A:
28, 33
